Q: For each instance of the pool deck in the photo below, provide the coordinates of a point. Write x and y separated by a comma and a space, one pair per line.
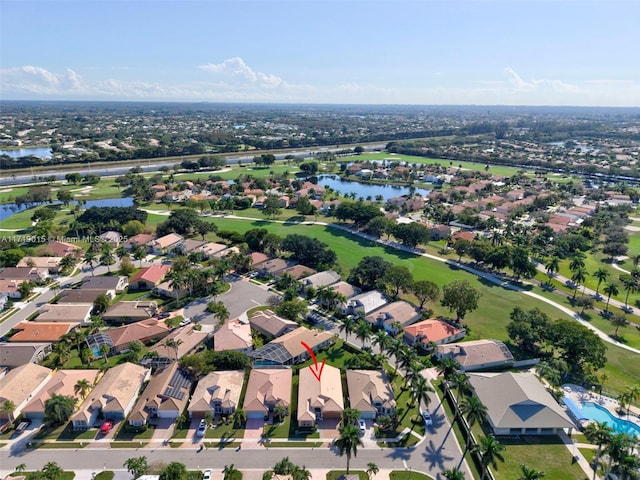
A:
580, 394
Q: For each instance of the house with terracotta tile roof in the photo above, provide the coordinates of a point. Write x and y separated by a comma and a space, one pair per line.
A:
271, 325
52, 264
432, 330
477, 354
30, 332
296, 271
62, 383
257, 258
166, 244
188, 340
389, 315
20, 384
233, 335
119, 338
165, 396
149, 277
370, 392
142, 239
62, 249
218, 393
10, 288
321, 399
114, 396
267, 388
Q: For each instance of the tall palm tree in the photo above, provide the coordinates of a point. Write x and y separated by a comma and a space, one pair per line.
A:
578, 278
577, 262
139, 254
601, 274
381, 339
460, 382
630, 284
599, 433
448, 367
349, 442
610, 289
107, 257
90, 257
475, 412
453, 474
82, 387
363, 331
394, 348
347, 325
420, 390
530, 473
617, 448
490, 451
552, 266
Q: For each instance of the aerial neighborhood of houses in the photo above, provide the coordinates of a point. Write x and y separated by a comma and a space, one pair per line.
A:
165, 337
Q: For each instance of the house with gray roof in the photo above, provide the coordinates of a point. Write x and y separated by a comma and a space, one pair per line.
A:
518, 404
321, 279
15, 354
477, 354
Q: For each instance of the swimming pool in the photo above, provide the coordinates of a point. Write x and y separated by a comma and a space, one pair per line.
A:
593, 411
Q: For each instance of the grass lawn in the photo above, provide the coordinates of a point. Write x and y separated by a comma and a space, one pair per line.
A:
128, 434
105, 475
495, 304
65, 433
545, 453
408, 475
222, 430
65, 475
295, 444
336, 474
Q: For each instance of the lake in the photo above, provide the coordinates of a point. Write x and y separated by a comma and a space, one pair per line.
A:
9, 209
364, 190
42, 152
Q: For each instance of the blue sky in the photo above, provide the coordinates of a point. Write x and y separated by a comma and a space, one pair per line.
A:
507, 52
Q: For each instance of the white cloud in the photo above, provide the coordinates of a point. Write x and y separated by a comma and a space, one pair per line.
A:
235, 68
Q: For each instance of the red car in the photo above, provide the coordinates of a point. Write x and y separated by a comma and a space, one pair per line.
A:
106, 426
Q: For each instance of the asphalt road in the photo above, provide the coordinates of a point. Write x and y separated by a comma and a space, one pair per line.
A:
242, 296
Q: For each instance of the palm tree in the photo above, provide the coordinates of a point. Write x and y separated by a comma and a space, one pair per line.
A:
6, 409
139, 254
530, 473
229, 472
381, 339
52, 471
610, 289
453, 474
578, 277
137, 466
617, 449
599, 433
619, 321
475, 411
58, 409
552, 266
173, 344
219, 311
577, 262
106, 255
490, 451
280, 411
349, 442
448, 367
104, 351
239, 417
633, 394
420, 390
363, 331
394, 348
300, 473
601, 274
82, 387
89, 258
347, 326
372, 469
630, 284
460, 382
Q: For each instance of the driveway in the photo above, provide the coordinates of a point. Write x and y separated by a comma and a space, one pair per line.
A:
253, 429
242, 296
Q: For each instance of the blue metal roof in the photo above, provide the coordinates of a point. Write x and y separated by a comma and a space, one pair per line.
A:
574, 409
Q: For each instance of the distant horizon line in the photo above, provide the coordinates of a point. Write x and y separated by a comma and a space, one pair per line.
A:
414, 105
